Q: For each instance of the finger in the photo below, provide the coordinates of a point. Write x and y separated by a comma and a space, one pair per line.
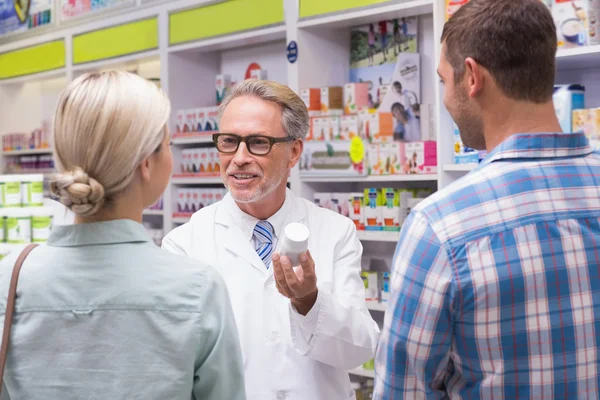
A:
285, 291
277, 269
307, 264
290, 276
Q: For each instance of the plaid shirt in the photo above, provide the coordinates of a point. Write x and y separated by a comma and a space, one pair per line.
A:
495, 290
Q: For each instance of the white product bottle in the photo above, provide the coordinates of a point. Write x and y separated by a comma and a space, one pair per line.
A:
41, 224
11, 196
32, 188
18, 225
294, 242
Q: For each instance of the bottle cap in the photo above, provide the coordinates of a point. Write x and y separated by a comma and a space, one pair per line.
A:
296, 237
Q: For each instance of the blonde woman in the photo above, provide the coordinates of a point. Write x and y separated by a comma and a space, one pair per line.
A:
101, 312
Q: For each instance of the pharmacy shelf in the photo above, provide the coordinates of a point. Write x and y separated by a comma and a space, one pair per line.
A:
181, 220
237, 40
578, 58
459, 167
26, 152
366, 236
363, 16
57, 73
369, 179
197, 180
153, 212
192, 138
360, 371
118, 62
376, 306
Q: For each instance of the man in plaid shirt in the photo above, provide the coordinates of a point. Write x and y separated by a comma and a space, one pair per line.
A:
496, 279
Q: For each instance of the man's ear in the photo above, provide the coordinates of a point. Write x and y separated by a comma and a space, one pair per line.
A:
297, 149
474, 77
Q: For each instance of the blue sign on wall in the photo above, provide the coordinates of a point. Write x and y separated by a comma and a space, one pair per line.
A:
292, 51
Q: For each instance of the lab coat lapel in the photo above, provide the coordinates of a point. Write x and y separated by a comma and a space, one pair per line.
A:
233, 240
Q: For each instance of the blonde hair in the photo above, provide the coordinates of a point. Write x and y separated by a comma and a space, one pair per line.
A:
105, 125
294, 114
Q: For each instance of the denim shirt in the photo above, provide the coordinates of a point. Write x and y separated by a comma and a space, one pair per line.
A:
103, 313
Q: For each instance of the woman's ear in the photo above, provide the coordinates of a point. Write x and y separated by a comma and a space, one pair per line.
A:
145, 169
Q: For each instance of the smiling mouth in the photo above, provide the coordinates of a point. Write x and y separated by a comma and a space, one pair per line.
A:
242, 177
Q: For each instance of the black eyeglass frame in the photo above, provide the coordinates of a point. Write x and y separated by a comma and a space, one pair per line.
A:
272, 141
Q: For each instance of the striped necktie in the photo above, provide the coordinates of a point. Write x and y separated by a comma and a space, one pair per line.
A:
263, 233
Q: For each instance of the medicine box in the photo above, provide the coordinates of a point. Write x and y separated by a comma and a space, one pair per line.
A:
348, 127
364, 117
340, 203
371, 282
190, 120
385, 287
222, 83
180, 124
200, 119
381, 127
323, 200
333, 128
355, 210
211, 119
356, 97
421, 157
397, 158
570, 19
567, 98
462, 153
373, 210
312, 100
390, 209
375, 162
319, 129
332, 100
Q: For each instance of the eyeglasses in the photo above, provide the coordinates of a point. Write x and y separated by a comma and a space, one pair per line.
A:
258, 145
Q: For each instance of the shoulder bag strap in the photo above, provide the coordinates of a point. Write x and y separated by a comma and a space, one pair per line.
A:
10, 308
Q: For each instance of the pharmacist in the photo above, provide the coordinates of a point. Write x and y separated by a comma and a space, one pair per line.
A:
300, 331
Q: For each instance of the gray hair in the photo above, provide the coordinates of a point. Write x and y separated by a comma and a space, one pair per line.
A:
294, 114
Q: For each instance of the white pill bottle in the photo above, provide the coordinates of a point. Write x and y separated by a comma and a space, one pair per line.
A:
294, 242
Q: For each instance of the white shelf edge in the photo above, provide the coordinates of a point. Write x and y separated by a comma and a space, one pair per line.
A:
360, 371
117, 61
460, 167
234, 40
153, 212
579, 51
46, 75
368, 236
192, 140
26, 152
181, 220
368, 179
420, 7
374, 305
197, 181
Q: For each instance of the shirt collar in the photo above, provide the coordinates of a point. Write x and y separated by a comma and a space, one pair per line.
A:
247, 222
98, 233
540, 146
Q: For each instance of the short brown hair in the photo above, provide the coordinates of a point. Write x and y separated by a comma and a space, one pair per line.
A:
514, 40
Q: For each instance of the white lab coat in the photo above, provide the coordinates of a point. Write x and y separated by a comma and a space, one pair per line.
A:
287, 355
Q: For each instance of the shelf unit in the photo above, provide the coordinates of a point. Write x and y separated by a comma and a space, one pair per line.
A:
154, 212
369, 236
376, 306
459, 167
26, 152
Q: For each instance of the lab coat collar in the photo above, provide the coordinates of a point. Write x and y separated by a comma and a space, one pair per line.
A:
98, 233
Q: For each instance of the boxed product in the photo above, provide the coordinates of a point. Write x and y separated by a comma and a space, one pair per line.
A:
181, 122
323, 200
222, 83
355, 209
319, 129
567, 98
397, 158
390, 209
371, 281
588, 122
373, 210
259, 74
452, 6
211, 118
421, 157
312, 100
340, 202
364, 116
375, 160
190, 120
332, 100
462, 153
570, 18
385, 287
404, 198
200, 118
594, 22
331, 159
348, 127
333, 128
356, 97
381, 127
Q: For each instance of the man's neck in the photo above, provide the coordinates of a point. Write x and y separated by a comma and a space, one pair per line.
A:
518, 117
266, 207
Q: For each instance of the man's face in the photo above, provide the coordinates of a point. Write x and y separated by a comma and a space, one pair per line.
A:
251, 178
460, 106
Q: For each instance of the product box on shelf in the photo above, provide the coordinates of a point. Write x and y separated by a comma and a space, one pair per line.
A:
385, 287
421, 157
190, 120
190, 200
588, 122
390, 209
462, 153
200, 117
333, 127
321, 158
348, 127
322, 200
312, 100
211, 120
375, 160
571, 19
181, 121
452, 6
397, 158
222, 84
567, 98
373, 210
381, 127
201, 160
355, 210
371, 282
332, 100
340, 203
594, 22
356, 97
259, 74
364, 116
